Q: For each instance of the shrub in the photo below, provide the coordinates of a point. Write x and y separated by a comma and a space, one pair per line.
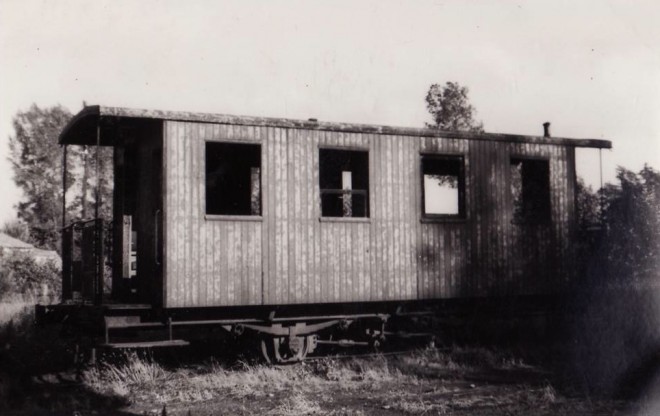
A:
616, 331
21, 274
628, 248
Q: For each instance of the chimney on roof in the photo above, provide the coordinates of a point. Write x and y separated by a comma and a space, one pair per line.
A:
546, 129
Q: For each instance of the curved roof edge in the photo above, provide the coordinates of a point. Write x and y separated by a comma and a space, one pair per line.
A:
79, 126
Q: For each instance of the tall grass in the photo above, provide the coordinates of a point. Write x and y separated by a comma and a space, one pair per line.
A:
10, 311
614, 344
133, 372
421, 382
15, 307
24, 351
140, 376
297, 404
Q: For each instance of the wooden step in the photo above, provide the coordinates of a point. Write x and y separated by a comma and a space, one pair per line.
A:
147, 344
130, 322
127, 306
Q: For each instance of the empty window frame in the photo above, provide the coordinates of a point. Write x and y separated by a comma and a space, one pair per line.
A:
344, 183
530, 189
443, 186
233, 179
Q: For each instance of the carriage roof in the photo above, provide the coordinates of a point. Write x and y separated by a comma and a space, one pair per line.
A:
82, 128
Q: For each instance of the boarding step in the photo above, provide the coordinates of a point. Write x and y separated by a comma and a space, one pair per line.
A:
130, 321
147, 344
127, 308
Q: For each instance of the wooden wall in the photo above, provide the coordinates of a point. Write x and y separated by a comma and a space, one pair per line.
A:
289, 256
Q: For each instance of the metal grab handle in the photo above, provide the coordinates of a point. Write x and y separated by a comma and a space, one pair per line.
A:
156, 259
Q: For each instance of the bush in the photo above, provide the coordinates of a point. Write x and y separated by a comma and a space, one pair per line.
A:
630, 249
21, 274
619, 229
616, 330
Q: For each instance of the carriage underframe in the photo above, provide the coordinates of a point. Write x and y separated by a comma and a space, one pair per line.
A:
287, 334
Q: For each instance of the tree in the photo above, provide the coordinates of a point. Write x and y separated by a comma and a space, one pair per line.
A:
588, 206
450, 108
631, 212
616, 297
17, 229
82, 203
619, 227
36, 159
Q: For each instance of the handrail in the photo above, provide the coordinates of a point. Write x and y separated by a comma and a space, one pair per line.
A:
80, 223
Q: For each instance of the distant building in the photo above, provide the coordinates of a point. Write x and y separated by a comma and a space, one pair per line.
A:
10, 245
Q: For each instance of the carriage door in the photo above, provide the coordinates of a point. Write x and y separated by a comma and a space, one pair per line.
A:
149, 227
138, 218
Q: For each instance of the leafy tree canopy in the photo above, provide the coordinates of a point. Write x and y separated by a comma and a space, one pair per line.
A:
450, 108
628, 246
17, 229
632, 214
36, 159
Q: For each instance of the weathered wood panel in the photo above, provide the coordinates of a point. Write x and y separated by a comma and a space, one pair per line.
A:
209, 262
443, 242
290, 255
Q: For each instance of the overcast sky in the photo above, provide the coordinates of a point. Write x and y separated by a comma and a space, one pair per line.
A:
592, 68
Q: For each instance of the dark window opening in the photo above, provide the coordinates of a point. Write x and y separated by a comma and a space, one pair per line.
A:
344, 183
530, 188
233, 179
443, 186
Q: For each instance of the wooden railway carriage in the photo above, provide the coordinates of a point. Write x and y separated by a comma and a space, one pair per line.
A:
287, 227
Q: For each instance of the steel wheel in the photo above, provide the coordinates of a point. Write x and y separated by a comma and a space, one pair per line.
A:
280, 350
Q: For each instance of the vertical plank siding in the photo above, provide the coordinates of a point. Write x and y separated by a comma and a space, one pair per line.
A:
289, 256
207, 262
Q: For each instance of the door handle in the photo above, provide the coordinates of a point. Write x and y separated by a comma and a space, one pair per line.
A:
156, 239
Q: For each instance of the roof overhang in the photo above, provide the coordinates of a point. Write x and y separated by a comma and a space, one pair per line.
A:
84, 127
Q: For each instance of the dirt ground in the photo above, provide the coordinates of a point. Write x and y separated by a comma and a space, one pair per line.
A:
37, 379
458, 381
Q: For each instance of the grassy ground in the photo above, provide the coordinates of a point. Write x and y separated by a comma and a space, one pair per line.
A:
36, 377
460, 381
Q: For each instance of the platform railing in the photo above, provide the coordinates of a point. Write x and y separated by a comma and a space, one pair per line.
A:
83, 261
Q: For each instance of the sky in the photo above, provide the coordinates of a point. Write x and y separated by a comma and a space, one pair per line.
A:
591, 68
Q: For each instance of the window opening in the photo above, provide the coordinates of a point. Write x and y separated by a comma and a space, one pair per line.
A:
344, 183
530, 188
443, 183
233, 179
